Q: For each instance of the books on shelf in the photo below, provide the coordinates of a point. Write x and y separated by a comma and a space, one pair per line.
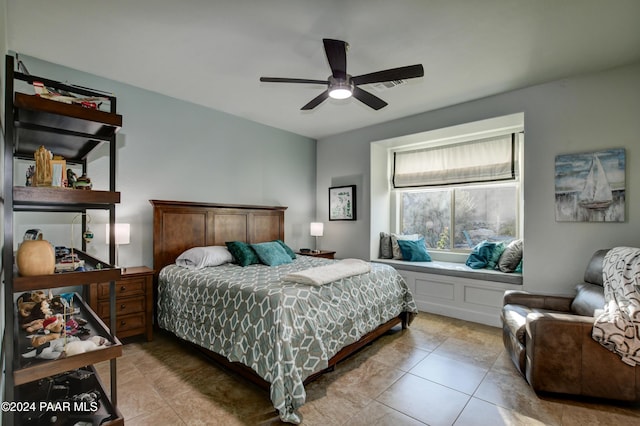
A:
69, 266
69, 263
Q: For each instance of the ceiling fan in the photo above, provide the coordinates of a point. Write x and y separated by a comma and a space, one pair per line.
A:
341, 85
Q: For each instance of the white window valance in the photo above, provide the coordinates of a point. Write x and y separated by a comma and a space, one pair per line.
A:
485, 160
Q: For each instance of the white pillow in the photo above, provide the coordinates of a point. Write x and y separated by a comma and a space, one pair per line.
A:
201, 257
395, 248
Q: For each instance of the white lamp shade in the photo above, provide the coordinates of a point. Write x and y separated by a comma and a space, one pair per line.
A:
316, 229
122, 233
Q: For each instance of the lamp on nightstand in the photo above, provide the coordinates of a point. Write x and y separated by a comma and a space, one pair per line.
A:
316, 230
122, 235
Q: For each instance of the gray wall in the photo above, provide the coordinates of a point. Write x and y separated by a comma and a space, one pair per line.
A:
578, 114
174, 150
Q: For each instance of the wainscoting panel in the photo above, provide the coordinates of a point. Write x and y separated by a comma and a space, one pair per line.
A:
483, 296
464, 298
435, 289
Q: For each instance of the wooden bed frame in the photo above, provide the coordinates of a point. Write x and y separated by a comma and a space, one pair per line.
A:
180, 225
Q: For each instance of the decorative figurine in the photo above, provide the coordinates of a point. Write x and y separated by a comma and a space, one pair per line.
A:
71, 178
44, 172
88, 235
83, 182
30, 172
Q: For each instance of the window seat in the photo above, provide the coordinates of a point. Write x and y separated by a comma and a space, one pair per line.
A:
454, 269
455, 290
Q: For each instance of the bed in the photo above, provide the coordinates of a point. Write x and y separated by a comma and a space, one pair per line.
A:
278, 333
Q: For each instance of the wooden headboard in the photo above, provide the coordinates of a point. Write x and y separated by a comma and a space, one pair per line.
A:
181, 225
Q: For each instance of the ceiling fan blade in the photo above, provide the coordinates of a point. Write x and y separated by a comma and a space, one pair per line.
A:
368, 99
401, 73
316, 101
336, 51
291, 80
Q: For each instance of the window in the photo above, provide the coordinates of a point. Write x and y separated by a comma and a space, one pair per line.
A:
395, 200
459, 195
458, 218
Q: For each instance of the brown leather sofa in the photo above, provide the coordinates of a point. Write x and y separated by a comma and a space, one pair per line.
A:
549, 341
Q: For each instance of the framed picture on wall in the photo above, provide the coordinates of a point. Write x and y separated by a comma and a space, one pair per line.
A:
590, 186
342, 202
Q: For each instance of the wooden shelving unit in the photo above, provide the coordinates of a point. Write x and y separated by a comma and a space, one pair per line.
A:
33, 391
73, 132
29, 197
30, 369
97, 271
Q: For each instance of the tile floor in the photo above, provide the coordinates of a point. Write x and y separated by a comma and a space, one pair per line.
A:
441, 371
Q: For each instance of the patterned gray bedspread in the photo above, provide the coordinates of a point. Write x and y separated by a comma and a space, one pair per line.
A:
284, 331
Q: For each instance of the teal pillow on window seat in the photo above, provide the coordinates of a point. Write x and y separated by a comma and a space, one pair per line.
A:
495, 255
519, 267
414, 251
481, 255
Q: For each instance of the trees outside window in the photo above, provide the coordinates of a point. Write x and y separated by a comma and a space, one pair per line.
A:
458, 218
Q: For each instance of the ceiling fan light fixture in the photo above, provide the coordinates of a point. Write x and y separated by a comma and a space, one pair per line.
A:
340, 89
338, 93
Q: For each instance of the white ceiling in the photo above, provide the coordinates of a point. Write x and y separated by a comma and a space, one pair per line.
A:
212, 52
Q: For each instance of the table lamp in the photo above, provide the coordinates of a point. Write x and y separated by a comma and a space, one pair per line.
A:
316, 230
122, 233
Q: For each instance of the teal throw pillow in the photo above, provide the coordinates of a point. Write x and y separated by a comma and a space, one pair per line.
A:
519, 267
286, 248
271, 253
481, 255
495, 255
414, 251
242, 253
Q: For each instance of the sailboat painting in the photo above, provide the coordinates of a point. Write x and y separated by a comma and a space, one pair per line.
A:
590, 187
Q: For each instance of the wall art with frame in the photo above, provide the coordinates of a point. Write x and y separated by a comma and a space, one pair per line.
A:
342, 202
590, 187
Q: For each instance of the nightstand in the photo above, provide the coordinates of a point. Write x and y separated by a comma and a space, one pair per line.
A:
134, 302
323, 253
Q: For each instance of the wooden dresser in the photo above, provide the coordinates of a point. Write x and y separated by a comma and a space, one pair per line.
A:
134, 302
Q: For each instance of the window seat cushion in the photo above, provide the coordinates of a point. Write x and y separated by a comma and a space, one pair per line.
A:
454, 269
